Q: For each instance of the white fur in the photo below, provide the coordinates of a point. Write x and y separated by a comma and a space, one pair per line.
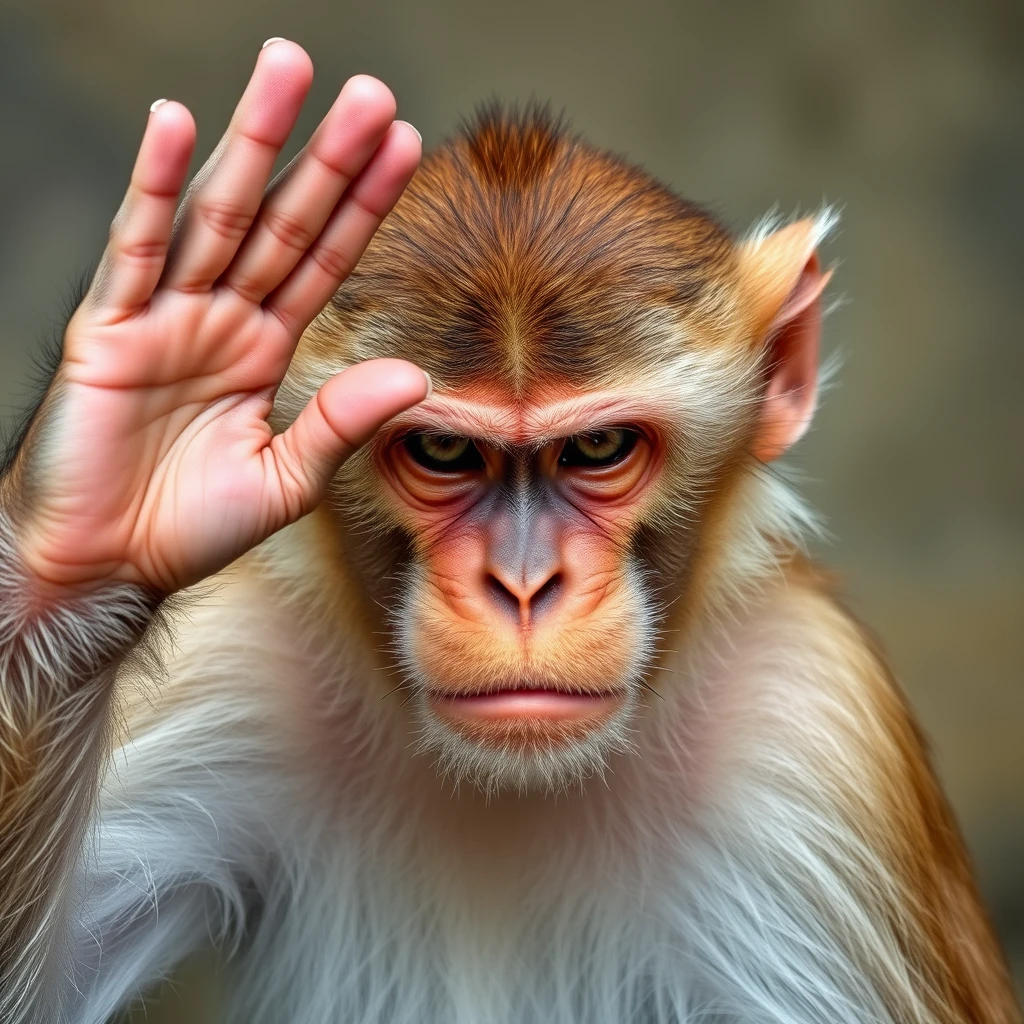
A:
702, 881
826, 220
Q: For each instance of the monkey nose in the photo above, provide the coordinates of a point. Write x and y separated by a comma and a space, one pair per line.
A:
525, 599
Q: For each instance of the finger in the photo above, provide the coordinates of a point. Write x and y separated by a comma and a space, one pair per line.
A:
342, 416
348, 231
299, 203
226, 194
141, 232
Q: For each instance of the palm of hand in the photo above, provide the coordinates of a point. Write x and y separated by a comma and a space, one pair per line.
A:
166, 429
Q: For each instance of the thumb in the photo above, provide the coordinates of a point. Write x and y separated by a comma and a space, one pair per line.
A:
341, 417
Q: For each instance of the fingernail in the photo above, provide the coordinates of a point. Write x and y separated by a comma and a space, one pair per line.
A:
430, 386
273, 39
415, 129
159, 103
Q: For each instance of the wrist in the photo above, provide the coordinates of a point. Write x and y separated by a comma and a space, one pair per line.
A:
60, 632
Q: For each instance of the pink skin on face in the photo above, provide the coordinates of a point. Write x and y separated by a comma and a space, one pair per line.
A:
588, 560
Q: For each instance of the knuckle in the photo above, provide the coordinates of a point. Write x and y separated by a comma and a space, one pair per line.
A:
332, 165
248, 290
141, 253
346, 443
371, 212
334, 261
227, 218
289, 230
286, 318
119, 223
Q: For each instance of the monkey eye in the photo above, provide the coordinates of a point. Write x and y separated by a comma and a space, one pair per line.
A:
598, 448
444, 453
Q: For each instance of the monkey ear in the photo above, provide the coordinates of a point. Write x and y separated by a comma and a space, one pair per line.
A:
783, 281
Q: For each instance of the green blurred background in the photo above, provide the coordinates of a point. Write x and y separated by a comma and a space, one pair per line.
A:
908, 115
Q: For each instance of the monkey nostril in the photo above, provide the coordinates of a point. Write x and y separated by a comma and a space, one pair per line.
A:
546, 595
502, 596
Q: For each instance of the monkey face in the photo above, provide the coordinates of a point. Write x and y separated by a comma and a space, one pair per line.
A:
525, 551
525, 630
598, 365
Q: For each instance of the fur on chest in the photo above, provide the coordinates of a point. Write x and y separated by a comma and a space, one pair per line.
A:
358, 886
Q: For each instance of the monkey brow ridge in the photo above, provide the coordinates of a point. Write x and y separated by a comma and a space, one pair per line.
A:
504, 425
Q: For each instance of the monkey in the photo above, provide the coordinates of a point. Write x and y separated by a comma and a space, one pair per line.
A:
396, 592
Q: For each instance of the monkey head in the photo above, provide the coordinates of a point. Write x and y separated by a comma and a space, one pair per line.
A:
608, 363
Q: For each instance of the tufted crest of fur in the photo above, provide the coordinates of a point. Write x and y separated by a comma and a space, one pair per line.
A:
521, 256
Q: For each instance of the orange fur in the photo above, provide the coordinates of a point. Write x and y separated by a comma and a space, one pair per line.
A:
549, 288
900, 807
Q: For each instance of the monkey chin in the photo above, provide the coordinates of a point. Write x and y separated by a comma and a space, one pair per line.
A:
524, 739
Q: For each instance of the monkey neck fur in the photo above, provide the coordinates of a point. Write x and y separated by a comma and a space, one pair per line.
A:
354, 739
373, 888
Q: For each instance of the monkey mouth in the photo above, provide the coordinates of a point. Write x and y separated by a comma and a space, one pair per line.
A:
527, 733
525, 705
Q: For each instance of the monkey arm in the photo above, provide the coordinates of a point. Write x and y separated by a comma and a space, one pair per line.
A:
151, 465
58, 661
109, 875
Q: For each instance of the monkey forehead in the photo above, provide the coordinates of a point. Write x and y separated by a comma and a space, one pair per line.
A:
523, 253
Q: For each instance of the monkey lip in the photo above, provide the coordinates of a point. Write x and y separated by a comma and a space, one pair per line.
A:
526, 704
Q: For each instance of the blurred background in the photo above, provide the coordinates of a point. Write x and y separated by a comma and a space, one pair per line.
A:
906, 115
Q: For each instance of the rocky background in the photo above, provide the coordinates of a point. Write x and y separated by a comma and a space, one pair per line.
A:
907, 115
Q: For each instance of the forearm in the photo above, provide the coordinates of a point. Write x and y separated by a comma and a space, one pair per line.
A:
58, 659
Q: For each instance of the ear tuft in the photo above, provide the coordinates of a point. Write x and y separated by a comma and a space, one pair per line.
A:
822, 224
771, 258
